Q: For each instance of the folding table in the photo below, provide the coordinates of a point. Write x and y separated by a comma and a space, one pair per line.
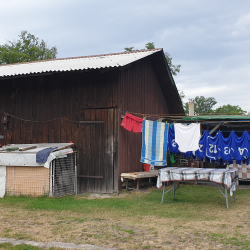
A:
228, 178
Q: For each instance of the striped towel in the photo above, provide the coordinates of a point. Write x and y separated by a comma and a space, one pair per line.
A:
154, 143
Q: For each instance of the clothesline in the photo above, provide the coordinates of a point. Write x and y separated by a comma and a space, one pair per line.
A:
158, 137
179, 117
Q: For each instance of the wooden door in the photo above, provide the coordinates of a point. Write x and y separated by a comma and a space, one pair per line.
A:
97, 151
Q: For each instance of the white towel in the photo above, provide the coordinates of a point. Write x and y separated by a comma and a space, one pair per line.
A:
187, 136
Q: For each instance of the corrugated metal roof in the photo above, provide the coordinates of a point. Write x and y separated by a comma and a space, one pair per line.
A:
39, 147
75, 63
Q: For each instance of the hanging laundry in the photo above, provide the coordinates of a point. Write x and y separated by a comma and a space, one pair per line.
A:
201, 152
154, 143
212, 147
132, 123
240, 147
173, 147
187, 136
171, 157
225, 146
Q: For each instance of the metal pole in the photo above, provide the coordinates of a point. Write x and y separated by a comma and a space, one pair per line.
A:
226, 196
163, 192
75, 176
174, 189
50, 181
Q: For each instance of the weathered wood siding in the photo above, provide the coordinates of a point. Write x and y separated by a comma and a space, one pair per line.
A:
48, 108
139, 92
56, 108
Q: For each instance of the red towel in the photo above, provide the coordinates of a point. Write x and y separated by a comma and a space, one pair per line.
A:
132, 123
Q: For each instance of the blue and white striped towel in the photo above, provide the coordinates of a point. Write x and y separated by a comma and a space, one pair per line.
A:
154, 143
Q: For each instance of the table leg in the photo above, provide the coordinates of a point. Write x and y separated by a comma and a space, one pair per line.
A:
127, 184
163, 192
138, 184
226, 196
174, 189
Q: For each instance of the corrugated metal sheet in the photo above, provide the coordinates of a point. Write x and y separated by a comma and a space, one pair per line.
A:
76, 63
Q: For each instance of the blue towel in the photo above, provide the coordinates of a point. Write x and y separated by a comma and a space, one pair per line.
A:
201, 152
173, 147
42, 156
154, 142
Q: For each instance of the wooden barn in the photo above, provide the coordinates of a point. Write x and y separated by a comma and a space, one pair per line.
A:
80, 100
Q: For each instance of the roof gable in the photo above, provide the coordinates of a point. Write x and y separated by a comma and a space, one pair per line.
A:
74, 63
117, 60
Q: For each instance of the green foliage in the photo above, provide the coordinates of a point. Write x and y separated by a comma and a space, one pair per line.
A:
150, 46
174, 69
127, 49
27, 48
202, 105
230, 110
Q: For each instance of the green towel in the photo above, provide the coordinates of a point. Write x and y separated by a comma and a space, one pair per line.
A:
172, 157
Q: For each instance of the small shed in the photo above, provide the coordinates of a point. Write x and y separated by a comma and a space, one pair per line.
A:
81, 99
20, 174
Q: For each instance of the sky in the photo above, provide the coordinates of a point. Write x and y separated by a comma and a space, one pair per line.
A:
209, 39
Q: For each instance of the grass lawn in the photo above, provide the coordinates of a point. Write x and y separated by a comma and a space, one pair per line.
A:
8, 246
196, 219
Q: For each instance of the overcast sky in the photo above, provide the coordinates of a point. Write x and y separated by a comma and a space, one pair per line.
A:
210, 39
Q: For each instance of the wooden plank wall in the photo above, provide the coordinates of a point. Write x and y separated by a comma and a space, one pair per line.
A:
47, 109
138, 92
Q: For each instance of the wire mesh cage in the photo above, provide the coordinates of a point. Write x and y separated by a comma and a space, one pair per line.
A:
62, 180
57, 181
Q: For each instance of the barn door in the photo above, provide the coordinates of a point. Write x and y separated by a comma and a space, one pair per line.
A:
97, 151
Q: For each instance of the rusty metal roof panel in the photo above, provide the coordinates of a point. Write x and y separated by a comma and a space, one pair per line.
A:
75, 63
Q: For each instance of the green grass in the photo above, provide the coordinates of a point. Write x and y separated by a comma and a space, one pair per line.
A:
240, 241
9, 246
188, 199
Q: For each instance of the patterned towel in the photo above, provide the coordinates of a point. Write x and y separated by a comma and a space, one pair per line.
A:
154, 143
227, 177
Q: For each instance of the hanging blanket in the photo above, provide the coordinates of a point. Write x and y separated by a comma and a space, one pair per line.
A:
154, 143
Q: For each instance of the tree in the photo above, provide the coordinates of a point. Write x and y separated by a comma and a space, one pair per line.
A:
202, 105
174, 69
27, 48
150, 46
229, 110
127, 49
